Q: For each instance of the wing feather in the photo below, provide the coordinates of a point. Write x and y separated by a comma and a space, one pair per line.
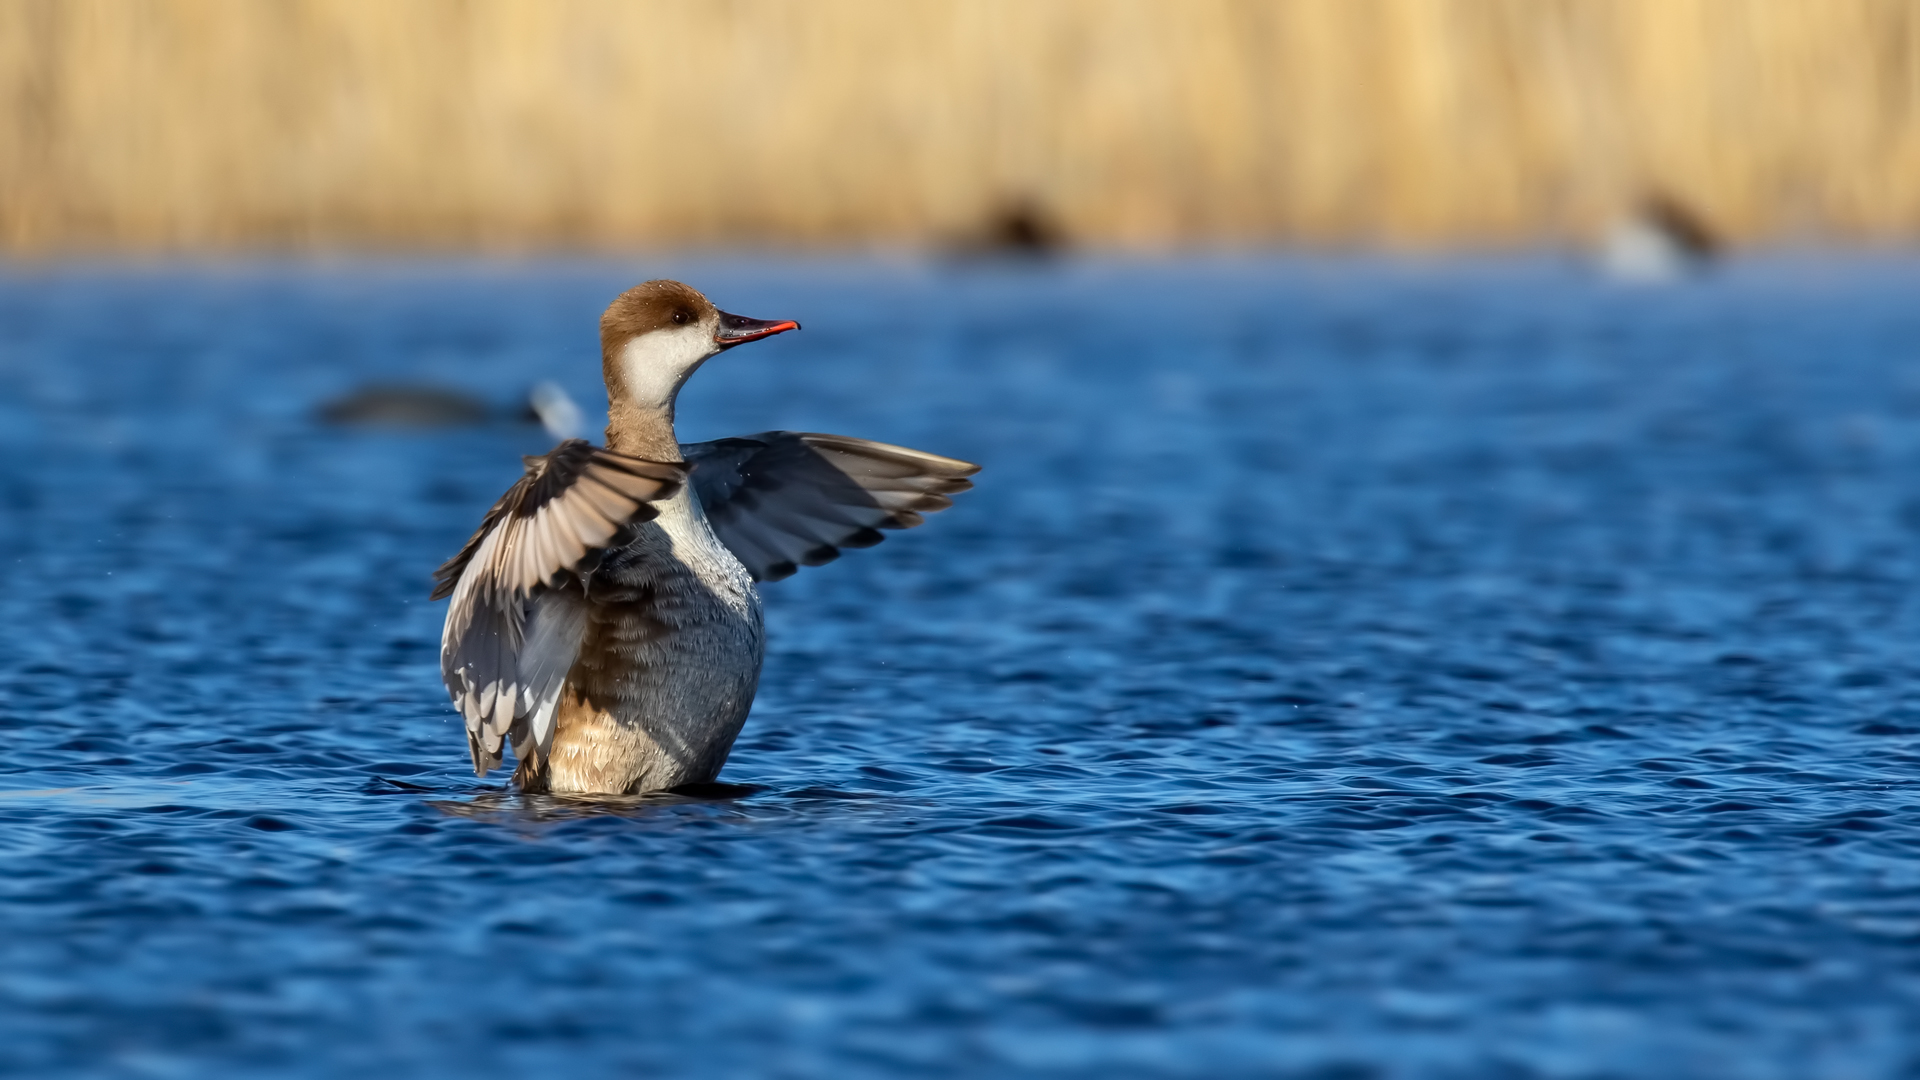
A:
609, 504
515, 622
784, 499
591, 528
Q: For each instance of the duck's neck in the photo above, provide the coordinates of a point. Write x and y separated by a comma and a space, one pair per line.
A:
642, 431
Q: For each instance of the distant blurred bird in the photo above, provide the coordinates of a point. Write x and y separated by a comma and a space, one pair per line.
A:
1019, 229
1660, 241
604, 618
397, 405
400, 405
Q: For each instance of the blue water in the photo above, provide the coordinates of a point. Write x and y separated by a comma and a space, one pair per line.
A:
1344, 668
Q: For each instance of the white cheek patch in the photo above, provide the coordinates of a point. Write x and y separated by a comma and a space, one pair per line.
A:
654, 364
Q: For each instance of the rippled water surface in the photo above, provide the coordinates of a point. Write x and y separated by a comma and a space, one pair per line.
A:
1343, 669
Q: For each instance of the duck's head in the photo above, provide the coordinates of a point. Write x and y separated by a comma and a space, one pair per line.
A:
659, 332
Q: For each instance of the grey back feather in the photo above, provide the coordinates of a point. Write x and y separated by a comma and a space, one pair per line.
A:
781, 500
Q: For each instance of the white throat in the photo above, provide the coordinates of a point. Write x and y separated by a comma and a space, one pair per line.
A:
654, 366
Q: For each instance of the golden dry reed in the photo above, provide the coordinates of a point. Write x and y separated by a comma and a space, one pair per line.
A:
237, 124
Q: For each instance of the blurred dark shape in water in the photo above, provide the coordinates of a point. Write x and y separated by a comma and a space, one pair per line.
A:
1662, 240
1017, 229
401, 405
397, 405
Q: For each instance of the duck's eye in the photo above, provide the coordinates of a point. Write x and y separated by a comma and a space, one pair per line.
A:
680, 317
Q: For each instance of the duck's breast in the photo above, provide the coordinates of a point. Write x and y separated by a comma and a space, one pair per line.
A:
671, 657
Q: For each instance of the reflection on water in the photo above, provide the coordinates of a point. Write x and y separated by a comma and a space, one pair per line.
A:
1345, 669
512, 807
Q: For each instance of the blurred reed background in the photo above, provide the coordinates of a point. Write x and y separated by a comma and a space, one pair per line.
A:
241, 124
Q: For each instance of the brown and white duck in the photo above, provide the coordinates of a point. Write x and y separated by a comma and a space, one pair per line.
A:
605, 619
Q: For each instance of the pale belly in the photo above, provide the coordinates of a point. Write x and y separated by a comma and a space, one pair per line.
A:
668, 668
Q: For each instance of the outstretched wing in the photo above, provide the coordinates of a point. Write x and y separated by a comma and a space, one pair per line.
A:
781, 500
513, 630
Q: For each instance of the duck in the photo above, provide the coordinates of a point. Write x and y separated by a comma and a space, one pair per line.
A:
1661, 241
605, 619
